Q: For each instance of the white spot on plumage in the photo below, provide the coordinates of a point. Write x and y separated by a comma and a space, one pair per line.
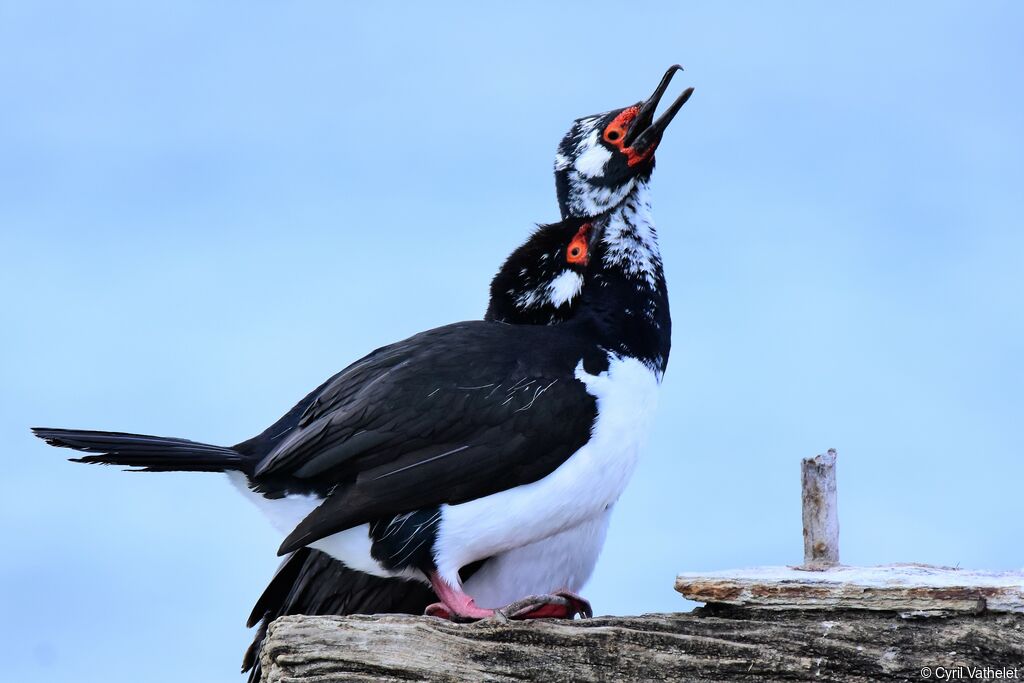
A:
591, 160
565, 287
558, 291
530, 299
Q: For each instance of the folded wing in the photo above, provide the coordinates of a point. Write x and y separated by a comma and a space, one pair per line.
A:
447, 416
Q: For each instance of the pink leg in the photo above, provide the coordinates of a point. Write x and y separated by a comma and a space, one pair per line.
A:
455, 605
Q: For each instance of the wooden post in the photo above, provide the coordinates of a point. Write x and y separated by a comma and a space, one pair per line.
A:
820, 514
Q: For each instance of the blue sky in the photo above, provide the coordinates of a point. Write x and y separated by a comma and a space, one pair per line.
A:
206, 209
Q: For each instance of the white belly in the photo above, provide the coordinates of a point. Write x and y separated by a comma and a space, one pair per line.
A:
563, 561
583, 487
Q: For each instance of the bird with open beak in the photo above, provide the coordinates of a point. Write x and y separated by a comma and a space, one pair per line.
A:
481, 458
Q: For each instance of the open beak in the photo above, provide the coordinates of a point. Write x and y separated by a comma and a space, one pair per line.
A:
645, 131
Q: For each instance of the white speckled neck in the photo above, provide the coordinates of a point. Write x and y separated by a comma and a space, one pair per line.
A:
631, 239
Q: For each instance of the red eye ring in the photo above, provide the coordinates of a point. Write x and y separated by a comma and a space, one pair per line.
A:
577, 250
615, 135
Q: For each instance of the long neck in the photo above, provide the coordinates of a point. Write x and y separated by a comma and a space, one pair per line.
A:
627, 298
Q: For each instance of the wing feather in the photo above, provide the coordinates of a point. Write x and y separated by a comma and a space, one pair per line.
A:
446, 416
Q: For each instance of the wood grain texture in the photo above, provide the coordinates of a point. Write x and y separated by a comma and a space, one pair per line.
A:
820, 510
715, 643
906, 588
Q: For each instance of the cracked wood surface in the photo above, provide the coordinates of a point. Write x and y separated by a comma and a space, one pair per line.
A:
907, 588
717, 643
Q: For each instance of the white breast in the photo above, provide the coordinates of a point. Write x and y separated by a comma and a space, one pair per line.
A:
563, 561
582, 488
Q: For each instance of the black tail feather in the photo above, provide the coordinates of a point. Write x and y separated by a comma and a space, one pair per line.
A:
147, 453
310, 582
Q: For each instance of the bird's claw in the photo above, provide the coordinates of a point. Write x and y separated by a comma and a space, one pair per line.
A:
558, 605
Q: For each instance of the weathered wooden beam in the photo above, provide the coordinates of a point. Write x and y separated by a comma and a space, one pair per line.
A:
713, 644
820, 511
905, 588
835, 623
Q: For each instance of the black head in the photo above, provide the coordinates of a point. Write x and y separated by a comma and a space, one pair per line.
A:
565, 268
602, 157
540, 282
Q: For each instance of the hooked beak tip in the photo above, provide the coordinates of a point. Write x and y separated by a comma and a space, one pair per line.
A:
645, 117
651, 135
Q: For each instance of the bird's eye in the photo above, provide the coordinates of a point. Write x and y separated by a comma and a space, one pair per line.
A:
613, 134
577, 251
615, 131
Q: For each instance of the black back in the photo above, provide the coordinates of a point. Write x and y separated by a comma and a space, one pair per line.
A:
312, 582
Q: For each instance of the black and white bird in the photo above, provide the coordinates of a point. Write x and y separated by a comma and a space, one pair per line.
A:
478, 441
535, 286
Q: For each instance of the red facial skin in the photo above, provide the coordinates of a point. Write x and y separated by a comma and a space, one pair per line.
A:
577, 250
615, 133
